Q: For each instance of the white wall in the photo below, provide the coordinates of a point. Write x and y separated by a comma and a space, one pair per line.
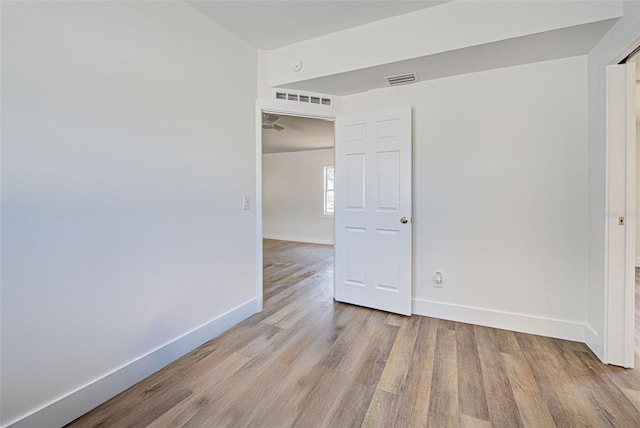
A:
292, 196
500, 194
126, 152
616, 41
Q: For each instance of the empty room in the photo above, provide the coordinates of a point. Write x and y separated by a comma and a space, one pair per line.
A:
458, 251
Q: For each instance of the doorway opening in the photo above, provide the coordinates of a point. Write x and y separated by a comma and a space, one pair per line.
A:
297, 179
294, 193
372, 239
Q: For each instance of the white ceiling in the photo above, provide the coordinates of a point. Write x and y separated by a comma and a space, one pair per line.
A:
299, 134
268, 24
273, 24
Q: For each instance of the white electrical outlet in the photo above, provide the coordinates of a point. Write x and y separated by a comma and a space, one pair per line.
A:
437, 278
246, 202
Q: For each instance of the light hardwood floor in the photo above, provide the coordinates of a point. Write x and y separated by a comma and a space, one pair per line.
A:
307, 361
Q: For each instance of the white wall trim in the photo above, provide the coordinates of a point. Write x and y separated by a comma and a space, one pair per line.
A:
258, 207
637, 261
297, 239
549, 327
620, 202
69, 407
591, 339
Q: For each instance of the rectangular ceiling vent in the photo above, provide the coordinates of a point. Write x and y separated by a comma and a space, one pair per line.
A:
402, 79
309, 98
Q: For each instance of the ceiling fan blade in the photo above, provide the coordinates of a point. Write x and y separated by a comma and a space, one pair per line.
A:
278, 127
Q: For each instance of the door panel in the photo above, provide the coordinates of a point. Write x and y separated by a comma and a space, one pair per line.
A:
355, 263
621, 204
387, 184
355, 181
387, 263
373, 194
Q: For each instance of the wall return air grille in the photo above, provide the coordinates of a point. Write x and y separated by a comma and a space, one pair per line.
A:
305, 98
402, 79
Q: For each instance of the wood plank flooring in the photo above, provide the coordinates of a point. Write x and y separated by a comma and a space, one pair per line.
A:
307, 361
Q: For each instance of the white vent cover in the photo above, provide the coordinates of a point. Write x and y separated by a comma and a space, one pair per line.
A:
309, 98
401, 79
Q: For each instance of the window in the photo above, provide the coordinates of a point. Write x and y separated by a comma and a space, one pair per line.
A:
328, 190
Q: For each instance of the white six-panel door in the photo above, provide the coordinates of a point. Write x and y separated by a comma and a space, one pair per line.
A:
373, 210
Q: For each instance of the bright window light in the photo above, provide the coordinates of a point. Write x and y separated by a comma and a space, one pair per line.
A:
328, 190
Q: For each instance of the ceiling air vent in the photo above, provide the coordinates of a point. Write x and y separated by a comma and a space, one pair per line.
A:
401, 79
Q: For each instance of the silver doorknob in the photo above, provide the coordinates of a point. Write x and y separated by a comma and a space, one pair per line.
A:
403, 220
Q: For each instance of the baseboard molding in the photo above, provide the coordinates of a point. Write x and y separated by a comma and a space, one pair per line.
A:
69, 407
503, 320
298, 239
593, 341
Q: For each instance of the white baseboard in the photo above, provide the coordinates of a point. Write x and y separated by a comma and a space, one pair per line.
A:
73, 405
593, 341
503, 320
298, 239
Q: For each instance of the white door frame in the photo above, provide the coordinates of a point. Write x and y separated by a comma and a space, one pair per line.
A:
289, 108
619, 304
